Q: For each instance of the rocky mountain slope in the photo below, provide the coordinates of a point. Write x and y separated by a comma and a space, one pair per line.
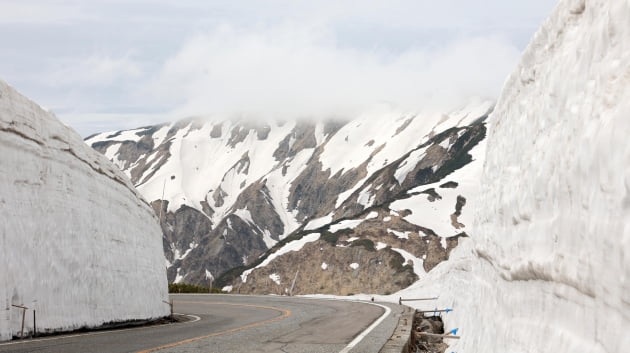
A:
77, 242
547, 266
233, 190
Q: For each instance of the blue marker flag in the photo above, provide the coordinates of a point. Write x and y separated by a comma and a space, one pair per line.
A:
448, 310
453, 331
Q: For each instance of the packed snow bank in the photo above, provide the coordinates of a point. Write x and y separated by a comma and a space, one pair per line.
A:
77, 244
547, 268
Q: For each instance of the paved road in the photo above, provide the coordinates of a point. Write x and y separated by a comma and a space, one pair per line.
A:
235, 323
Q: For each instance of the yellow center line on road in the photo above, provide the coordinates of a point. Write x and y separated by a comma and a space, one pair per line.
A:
285, 314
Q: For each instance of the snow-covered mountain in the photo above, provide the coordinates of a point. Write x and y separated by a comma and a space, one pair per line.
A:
77, 243
233, 190
547, 268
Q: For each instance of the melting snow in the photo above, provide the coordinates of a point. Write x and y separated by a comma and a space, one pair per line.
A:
365, 197
275, 277
354, 265
345, 224
372, 215
409, 164
401, 235
418, 267
318, 222
178, 277
245, 215
269, 241
443, 242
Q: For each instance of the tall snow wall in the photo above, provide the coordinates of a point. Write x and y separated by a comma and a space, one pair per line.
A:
77, 243
547, 268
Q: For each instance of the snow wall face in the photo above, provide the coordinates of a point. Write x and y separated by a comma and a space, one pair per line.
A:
554, 230
77, 244
547, 267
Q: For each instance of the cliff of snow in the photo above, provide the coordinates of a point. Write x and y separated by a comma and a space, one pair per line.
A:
547, 266
78, 244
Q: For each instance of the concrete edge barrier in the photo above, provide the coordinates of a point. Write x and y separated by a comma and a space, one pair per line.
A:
399, 342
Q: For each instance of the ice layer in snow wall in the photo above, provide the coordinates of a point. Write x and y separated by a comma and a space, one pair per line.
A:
77, 243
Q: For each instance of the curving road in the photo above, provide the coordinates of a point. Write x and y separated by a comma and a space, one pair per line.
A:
238, 323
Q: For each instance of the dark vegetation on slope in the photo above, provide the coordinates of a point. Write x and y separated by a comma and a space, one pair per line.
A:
190, 288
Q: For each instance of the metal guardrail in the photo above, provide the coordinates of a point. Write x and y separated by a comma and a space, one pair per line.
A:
443, 335
447, 310
452, 334
400, 299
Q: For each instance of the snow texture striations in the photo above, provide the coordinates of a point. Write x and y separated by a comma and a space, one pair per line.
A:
77, 243
547, 268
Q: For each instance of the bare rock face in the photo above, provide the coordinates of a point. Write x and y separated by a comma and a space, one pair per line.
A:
380, 252
236, 191
321, 268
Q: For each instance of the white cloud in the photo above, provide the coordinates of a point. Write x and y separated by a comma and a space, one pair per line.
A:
293, 70
94, 70
115, 58
40, 12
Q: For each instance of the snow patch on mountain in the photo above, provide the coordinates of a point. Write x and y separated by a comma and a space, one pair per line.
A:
345, 224
418, 266
401, 235
318, 222
275, 277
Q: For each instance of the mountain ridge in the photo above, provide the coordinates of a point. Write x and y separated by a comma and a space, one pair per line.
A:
235, 189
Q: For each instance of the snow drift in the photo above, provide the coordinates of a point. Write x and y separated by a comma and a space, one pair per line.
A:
77, 243
547, 268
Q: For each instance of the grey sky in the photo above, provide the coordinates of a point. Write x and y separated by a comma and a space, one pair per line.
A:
114, 64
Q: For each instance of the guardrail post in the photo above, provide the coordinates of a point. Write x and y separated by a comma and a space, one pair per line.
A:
170, 304
23, 318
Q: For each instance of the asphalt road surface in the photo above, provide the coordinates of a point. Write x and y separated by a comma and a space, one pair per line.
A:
238, 323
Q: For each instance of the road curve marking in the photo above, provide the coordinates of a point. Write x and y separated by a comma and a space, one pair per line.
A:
195, 318
365, 332
285, 314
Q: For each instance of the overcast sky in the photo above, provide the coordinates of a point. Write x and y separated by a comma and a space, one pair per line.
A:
105, 65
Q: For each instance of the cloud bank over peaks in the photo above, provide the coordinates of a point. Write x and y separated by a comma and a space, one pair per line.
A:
295, 71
